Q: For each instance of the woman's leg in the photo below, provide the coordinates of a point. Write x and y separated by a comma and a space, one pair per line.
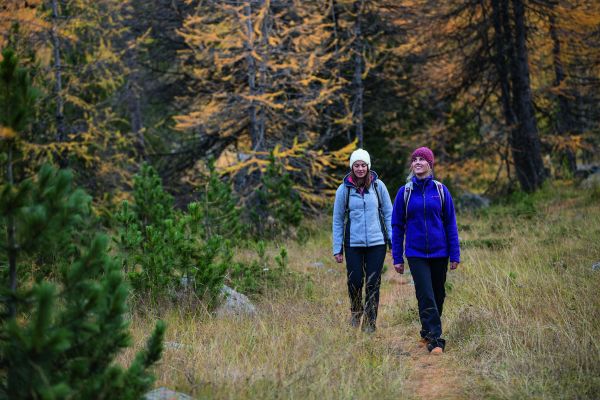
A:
374, 258
439, 269
355, 260
420, 270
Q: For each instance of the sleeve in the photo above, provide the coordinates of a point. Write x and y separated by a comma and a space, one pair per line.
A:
386, 205
338, 219
398, 227
450, 227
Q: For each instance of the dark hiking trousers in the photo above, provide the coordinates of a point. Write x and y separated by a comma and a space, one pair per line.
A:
365, 264
429, 275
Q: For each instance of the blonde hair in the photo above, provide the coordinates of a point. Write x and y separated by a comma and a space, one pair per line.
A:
411, 173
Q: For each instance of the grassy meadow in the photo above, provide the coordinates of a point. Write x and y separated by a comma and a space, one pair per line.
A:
522, 319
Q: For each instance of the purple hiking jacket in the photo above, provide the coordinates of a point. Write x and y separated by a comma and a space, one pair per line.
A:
430, 232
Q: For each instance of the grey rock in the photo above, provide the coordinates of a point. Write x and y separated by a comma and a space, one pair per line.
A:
596, 266
186, 281
235, 303
471, 201
163, 393
583, 171
175, 346
317, 264
592, 181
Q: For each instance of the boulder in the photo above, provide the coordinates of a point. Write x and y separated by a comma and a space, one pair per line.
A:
592, 181
163, 393
583, 171
235, 303
472, 201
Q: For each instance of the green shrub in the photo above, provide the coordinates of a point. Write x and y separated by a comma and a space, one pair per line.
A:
59, 340
279, 207
259, 274
162, 250
216, 212
152, 204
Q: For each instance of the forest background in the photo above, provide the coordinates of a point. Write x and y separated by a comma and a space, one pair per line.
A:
201, 130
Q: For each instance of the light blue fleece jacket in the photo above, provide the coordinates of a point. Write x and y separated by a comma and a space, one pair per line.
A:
364, 227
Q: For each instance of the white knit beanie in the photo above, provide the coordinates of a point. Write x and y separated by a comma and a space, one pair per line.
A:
360, 155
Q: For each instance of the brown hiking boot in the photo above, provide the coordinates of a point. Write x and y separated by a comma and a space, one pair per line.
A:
437, 351
355, 319
368, 326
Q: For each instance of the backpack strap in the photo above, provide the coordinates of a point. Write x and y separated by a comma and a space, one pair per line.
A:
440, 188
384, 231
408, 188
346, 215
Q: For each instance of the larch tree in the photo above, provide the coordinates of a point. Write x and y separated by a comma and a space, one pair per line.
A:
478, 51
261, 80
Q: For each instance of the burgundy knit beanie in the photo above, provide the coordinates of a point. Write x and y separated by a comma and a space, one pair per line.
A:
424, 153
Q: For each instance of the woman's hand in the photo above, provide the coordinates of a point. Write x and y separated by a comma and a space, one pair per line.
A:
399, 268
453, 265
339, 257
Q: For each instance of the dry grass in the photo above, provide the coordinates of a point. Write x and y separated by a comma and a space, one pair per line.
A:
522, 321
526, 318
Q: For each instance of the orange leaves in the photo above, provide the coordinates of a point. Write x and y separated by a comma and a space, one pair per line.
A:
7, 133
306, 165
573, 143
24, 14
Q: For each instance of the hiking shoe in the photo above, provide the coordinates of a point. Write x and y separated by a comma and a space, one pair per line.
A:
368, 327
437, 351
355, 320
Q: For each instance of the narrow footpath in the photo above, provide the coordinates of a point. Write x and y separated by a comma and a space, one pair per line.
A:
430, 377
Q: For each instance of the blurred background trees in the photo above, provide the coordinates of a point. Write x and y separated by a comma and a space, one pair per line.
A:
502, 90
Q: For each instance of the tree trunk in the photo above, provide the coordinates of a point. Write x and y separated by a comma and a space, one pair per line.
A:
262, 73
12, 243
59, 115
503, 46
564, 119
526, 147
135, 115
255, 134
359, 90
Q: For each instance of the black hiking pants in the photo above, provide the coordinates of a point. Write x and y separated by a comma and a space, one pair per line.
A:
429, 275
364, 265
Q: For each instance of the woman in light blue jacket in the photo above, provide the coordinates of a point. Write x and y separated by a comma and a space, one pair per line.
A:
362, 216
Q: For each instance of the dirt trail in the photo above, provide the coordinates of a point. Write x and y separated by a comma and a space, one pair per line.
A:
430, 377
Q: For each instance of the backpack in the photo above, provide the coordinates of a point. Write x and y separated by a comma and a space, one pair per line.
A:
384, 231
408, 188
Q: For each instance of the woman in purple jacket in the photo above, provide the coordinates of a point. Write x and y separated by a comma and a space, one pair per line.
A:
424, 215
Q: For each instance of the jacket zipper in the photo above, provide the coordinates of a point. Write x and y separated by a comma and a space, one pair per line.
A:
425, 219
365, 217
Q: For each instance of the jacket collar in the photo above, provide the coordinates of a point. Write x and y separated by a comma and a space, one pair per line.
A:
348, 181
422, 182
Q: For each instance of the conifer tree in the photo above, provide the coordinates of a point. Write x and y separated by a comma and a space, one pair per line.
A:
279, 207
217, 211
59, 340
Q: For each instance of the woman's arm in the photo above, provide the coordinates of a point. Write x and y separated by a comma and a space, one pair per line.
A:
387, 208
338, 219
398, 228
451, 228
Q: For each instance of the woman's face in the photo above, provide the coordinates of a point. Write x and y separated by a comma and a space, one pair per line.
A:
360, 169
420, 167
